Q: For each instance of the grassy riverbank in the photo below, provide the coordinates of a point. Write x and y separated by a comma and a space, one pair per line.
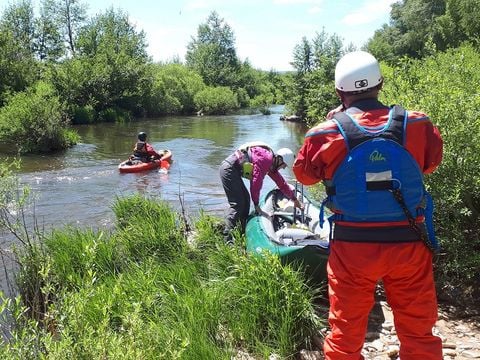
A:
150, 290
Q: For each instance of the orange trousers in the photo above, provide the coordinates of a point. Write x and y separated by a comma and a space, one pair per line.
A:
406, 271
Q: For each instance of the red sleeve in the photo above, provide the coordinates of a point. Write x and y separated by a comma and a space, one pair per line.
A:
322, 151
434, 153
305, 171
151, 151
424, 142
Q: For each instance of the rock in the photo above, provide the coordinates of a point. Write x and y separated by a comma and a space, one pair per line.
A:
310, 355
449, 352
294, 118
469, 354
393, 350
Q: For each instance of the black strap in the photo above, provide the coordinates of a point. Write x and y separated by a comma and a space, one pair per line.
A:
356, 134
397, 194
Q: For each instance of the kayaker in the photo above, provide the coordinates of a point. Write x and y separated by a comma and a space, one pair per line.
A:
377, 247
252, 161
144, 151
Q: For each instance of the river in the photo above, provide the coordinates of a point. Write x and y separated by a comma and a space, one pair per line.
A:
78, 186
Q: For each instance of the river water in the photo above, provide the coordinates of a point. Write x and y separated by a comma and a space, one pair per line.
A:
78, 187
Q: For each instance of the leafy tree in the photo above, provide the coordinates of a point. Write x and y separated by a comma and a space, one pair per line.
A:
412, 24
34, 121
441, 86
174, 89
418, 28
48, 40
311, 93
216, 100
18, 20
18, 68
69, 16
110, 69
326, 52
303, 57
212, 53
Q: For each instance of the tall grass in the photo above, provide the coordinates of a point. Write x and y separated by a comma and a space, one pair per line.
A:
142, 291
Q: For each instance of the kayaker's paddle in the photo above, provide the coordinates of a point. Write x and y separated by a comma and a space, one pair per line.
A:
164, 166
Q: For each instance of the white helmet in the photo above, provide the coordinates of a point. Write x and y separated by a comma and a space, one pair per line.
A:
287, 156
357, 71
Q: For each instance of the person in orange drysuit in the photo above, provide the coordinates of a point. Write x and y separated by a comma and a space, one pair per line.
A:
355, 266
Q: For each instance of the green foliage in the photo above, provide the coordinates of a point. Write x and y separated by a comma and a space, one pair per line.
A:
110, 72
205, 301
216, 100
148, 228
69, 16
311, 91
173, 89
445, 87
418, 28
78, 256
17, 66
33, 121
114, 114
265, 99
212, 53
260, 288
18, 20
83, 114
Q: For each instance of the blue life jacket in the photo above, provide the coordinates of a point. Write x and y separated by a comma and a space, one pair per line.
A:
379, 180
376, 163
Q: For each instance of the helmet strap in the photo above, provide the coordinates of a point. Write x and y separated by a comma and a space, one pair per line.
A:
277, 162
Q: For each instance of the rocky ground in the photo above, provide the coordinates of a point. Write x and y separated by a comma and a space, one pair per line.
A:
459, 330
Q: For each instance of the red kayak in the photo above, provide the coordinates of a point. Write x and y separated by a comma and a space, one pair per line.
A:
132, 166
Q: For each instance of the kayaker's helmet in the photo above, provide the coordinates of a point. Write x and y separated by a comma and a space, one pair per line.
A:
142, 136
357, 72
287, 156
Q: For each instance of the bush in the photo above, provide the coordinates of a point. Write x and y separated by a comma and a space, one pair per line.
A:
34, 121
83, 114
173, 89
445, 87
216, 100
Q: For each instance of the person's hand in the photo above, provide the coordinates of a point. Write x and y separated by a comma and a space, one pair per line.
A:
298, 204
260, 212
332, 112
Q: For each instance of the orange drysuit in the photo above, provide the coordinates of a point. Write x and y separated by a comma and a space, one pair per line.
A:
355, 267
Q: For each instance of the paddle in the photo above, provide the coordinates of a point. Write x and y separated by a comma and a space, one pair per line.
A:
164, 164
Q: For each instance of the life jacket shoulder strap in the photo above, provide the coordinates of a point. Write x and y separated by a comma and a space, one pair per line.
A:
355, 134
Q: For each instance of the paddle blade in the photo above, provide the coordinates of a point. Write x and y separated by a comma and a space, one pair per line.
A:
164, 165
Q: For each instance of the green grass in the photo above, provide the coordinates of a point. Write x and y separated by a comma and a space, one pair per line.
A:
143, 291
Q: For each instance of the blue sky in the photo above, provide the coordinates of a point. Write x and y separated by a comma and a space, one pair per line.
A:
266, 31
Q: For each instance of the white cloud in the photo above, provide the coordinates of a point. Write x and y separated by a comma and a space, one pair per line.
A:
315, 10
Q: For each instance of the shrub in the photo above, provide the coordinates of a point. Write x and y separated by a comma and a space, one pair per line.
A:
445, 87
216, 100
34, 121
